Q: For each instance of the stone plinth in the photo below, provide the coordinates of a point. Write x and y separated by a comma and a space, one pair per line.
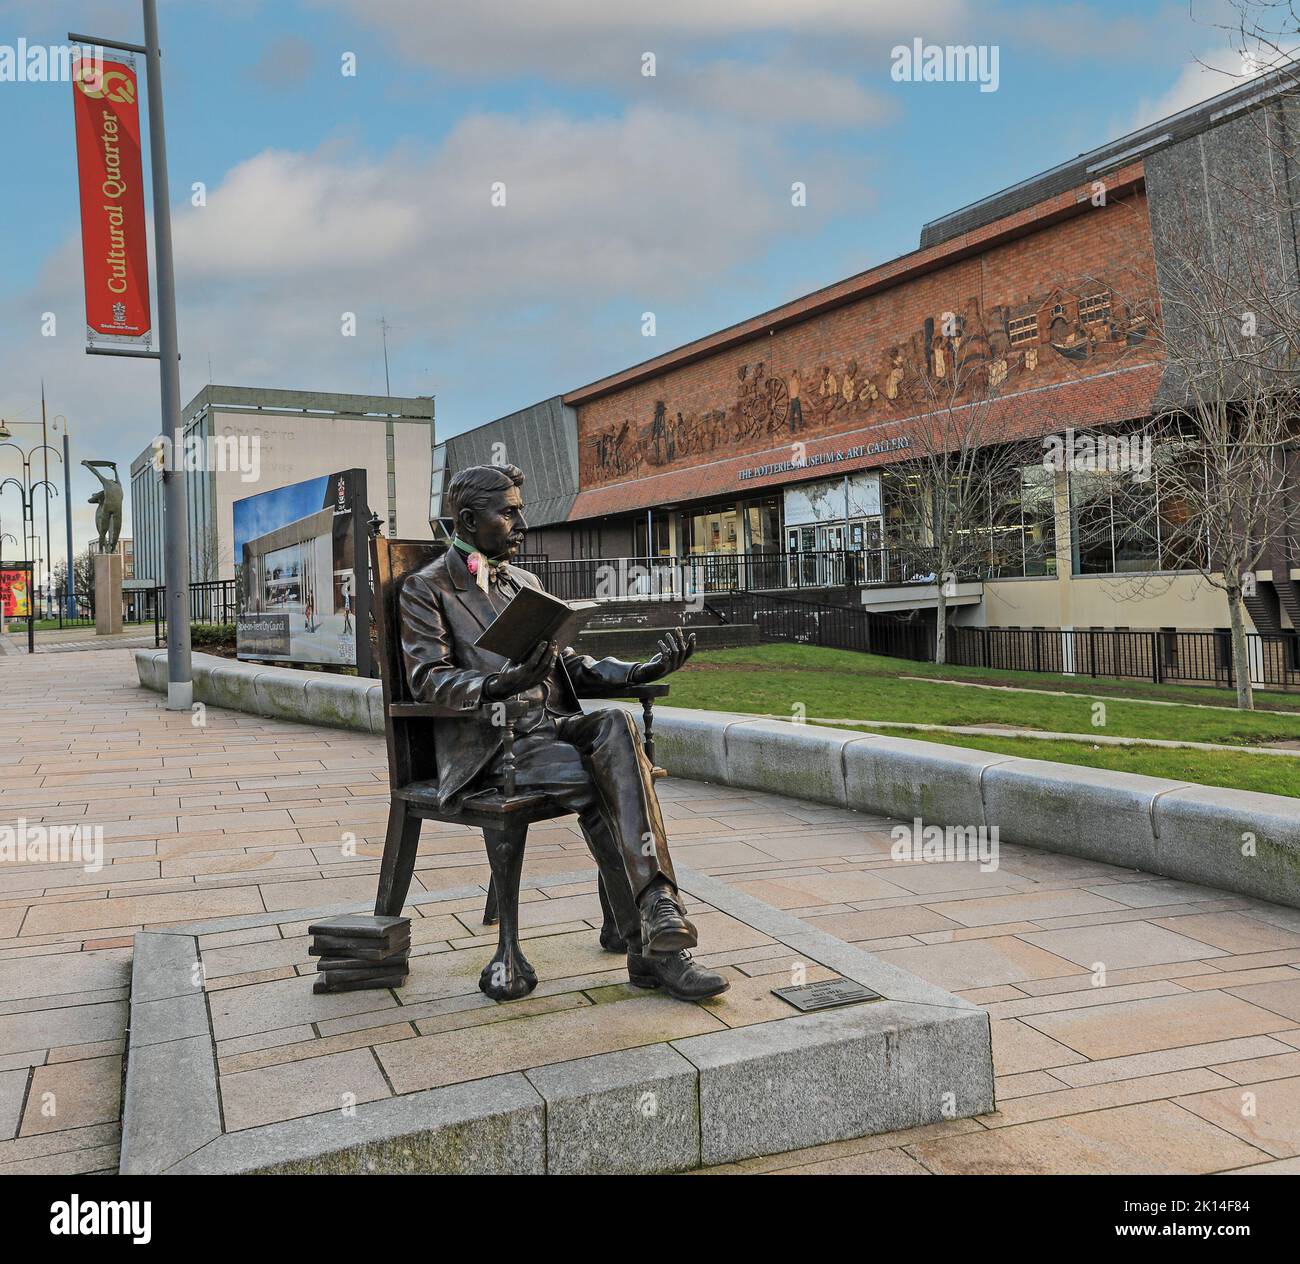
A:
108, 593
585, 1075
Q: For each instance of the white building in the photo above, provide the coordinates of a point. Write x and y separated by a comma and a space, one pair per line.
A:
243, 440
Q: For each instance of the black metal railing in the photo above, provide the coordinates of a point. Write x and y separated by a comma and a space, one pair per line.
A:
688, 575
782, 618
211, 601
77, 613
1163, 657
55, 610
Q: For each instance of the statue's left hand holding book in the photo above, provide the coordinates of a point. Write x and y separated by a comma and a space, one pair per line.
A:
532, 617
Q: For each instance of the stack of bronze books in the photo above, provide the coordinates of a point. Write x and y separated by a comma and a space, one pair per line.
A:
357, 951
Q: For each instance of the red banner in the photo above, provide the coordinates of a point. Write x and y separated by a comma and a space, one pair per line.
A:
114, 250
15, 593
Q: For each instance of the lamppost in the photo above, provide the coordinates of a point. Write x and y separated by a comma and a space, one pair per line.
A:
4, 535
25, 492
29, 517
176, 541
69, 583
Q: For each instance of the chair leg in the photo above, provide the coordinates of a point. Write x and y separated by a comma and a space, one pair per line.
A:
490, 907
508, 975
400, 844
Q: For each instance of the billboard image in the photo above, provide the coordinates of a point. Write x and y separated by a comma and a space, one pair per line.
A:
15, 593
300, 549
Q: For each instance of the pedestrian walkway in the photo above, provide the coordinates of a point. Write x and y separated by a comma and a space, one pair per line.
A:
61, 640
1139, 1024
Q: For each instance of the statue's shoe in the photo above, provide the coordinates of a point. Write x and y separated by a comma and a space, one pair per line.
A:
664, 927
676, 973
611, 940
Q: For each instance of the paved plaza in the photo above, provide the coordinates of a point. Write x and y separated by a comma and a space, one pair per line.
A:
1185, 1059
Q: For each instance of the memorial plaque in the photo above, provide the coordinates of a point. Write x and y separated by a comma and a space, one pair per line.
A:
826, 994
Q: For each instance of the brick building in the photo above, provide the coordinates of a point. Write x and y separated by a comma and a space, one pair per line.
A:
774, 444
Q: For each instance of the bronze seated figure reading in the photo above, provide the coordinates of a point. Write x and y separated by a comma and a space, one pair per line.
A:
589, 763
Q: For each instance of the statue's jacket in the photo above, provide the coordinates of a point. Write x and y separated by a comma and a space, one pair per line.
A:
442, 613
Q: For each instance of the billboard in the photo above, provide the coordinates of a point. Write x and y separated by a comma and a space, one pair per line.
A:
15, 592
114, 252
303, 573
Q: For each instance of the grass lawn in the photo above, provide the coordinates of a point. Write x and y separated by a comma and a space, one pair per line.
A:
1203, 695
843, 685
1269, 774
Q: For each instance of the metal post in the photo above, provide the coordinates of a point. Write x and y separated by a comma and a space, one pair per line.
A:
180, 687
70, 583
49, 545
847, 579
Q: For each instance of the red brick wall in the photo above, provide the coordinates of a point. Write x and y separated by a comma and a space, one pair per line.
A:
707, 412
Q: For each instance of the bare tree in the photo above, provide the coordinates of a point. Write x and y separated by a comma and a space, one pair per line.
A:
960, 490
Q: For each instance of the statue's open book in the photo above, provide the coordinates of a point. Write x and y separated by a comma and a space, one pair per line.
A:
533, 616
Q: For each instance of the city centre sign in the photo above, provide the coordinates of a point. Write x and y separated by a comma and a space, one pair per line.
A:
828, 458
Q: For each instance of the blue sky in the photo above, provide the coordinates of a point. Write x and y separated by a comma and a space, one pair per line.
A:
625, 193
256, 515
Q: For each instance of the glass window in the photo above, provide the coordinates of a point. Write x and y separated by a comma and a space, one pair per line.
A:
1137, 519
661, 546
711, 532
1094, 552
1180, 471
901, 502
763, 524
1038, 511
1137, 530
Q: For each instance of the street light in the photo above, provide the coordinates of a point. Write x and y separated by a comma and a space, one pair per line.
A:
29, 517
4, 535
69, 583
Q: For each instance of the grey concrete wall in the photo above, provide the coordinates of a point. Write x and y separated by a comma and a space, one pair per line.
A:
1231, 839
1223, 201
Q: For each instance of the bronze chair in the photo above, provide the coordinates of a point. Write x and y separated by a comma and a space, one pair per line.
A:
502, 815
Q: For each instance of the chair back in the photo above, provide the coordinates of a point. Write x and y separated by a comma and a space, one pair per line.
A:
410, 739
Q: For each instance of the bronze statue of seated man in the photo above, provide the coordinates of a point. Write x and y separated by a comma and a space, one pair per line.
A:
591, 763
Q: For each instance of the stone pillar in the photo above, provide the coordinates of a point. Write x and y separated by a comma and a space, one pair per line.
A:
108, 593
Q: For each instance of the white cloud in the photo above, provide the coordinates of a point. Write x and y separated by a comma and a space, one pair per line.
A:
785, 93
766, 60
648, 210
538, 39
1202, 78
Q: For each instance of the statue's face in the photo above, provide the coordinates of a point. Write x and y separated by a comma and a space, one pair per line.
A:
496, 528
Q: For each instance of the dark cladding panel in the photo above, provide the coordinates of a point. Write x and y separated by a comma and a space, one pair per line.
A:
543, 441
1196, 209
1094, 164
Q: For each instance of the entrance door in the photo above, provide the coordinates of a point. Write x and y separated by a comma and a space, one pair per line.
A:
801, 545
830, 554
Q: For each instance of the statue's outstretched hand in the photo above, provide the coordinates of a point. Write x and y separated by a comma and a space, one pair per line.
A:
674, 649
